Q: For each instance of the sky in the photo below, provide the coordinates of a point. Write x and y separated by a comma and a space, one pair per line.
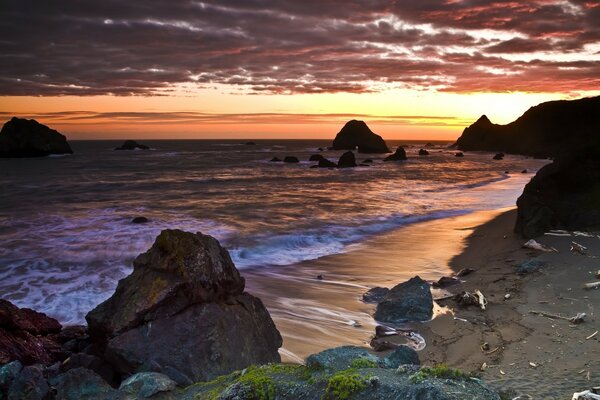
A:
107, 69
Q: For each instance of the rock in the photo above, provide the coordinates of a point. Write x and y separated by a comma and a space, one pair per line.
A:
381, 344
290, 159
132, 145
321, 149
29, 385
250, 144
529, 266
181, 312
364, 165
368, 161
275, 159
356, 134
375, 295
547, 130
445, 281
399, 155
524, 171
28, 336
562, 195
314, 166
91, 362
347, 160
140, 220
408, 301
339, 358
423, 152
325, 163
429, 145
459, 154
28, 138
402, 355
81, 384
499, 156
146, 384
8, 373
316, 157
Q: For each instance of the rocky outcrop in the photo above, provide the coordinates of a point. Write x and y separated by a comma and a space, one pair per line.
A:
28, 336
316, 157
399, 155
408, 301
347, 160
132, 145
28, 138
182, 311
291, 159
547, 130
325, 163
562, 195
357, 135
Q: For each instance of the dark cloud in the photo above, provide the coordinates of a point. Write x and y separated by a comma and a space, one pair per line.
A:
264, 46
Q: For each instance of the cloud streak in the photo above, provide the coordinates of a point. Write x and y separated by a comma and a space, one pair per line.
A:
159, 47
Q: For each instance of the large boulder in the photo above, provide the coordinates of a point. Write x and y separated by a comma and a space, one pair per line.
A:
562, 195
132, 145
28, 336
547, 130
28, 138
408, 301
182, 312
347, 160
356, 134
399, 155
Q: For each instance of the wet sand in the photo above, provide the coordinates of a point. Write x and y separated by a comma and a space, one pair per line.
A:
315, 314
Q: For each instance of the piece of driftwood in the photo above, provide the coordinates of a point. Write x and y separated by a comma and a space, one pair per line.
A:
578, 248
534, 245
464, 272
585, 395
598, 274
591, 285
592, 335
471, 299
577, 319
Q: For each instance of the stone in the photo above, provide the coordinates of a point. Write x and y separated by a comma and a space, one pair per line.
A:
530, 265
8, 373
81, 384
459, 154
325, 163
146, 384
375, 295
132, 145
402, 355
275, 159
140, 220
250, 144
399, 155
357, 135
368, 161
29, 385
408, 301
290, 159
499, 156
28, 138
347, 160
423, 152
316, 157
445, 281
339, 358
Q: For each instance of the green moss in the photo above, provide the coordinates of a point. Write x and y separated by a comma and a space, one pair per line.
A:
344, 384
439, 371
363, 363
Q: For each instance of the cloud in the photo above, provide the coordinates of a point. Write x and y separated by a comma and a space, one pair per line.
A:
158, 47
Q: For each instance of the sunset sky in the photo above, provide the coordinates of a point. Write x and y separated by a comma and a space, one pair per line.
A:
290, 69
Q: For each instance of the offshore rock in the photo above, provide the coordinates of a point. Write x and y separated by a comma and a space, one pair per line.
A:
28, 138
347, 160
357, 135
132, 145
399, 155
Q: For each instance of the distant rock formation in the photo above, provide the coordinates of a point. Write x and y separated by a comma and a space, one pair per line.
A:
546, 130
399, 155
357, 135
562, 195
183, 312
28, 138
132, 145
347, 160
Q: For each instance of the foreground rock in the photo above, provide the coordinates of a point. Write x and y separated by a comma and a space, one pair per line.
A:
547, 130
182, 311
562, 195
399, 155
408, 301
132, 145
357, 135
28, 138
28, 336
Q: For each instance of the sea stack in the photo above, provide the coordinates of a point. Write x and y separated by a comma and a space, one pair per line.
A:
28, 138
357, 135
183, 312
132, 145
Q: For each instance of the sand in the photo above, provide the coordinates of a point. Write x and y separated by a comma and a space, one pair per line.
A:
528, 354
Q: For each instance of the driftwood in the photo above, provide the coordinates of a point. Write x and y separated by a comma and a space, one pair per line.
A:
534, 245
577, 319
591, 285
577, 248
471, 299
585, 395
464, 272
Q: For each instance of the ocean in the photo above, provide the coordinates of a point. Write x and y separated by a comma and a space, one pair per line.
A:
65, 221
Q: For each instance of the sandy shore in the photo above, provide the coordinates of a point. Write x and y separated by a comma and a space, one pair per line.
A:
314, 314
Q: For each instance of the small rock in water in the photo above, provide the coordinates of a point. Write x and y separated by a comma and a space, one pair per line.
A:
459, 154
423, 152
320, 277
498, 156
291, 159
275, 159
140, 220
524, 171
250, 144
375, 295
